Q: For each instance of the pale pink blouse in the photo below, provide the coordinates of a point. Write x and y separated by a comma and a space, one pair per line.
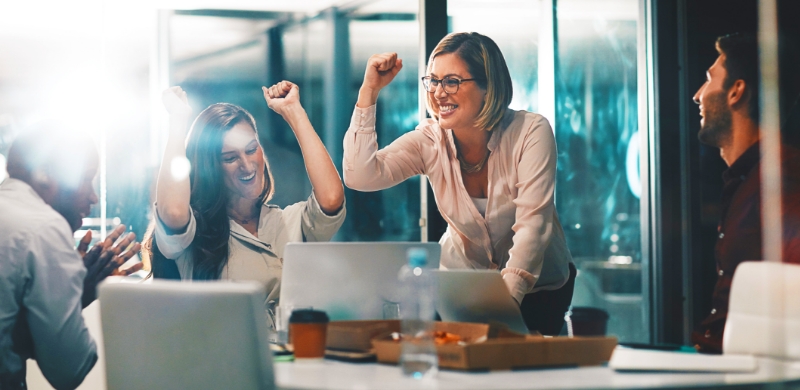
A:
520, 233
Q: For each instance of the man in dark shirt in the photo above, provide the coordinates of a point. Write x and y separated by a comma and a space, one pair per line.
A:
729, 107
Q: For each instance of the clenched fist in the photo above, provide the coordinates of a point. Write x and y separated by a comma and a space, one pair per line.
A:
176, 102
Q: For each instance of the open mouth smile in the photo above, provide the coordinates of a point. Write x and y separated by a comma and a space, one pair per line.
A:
248, 178
446, 110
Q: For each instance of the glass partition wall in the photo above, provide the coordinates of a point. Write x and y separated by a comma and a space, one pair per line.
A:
591, 54
326, 56
597, 133
573, 61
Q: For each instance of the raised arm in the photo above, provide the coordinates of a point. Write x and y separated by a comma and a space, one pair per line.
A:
173, 190
381, 70
284, 99
365, 167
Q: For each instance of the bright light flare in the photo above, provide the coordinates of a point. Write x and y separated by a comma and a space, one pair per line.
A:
180, 167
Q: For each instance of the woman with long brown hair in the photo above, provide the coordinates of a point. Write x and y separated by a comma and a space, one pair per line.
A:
214, 222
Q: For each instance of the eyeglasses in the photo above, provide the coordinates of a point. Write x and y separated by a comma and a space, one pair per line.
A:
450, 84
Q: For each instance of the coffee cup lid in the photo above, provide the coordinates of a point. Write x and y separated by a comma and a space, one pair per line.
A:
308, 316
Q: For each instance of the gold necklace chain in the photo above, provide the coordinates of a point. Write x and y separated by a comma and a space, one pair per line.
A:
472, 168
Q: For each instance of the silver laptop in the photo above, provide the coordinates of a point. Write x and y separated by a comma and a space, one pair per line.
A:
177, 335
348, 280
477, 296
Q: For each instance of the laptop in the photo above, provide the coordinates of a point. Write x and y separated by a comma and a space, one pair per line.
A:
177, 335
348, 280
477, 296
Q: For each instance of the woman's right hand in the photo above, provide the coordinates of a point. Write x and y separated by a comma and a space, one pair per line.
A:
381, 70
176, 102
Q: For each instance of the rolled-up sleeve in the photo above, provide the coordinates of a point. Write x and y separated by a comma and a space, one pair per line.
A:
533, 227
368, 169
172, 245
316, 224
64, 349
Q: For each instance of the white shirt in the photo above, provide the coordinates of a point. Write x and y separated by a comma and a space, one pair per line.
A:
257, 258
480, 204
41, 283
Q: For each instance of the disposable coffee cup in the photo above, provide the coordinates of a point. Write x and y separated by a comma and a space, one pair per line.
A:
307, 330
588, 321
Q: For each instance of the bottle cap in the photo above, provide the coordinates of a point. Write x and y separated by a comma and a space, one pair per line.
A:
417, 257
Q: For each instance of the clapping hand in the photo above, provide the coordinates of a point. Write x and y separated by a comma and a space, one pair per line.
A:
282, 96
105, 259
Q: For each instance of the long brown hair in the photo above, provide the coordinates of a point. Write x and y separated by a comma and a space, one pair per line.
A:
209, 195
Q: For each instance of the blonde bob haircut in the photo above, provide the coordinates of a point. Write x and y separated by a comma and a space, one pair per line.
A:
487, 66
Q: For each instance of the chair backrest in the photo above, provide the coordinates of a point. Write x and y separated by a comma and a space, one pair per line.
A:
764, 311
178, 335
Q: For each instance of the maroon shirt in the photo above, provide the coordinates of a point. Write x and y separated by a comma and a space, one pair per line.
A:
740, 232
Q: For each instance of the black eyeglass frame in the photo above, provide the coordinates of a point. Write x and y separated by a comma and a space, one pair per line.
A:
432, 80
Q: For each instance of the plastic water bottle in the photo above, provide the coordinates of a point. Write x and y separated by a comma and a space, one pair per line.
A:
418, 357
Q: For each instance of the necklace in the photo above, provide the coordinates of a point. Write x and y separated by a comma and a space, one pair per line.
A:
472, 168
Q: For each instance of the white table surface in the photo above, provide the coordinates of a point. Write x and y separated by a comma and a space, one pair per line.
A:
327, 374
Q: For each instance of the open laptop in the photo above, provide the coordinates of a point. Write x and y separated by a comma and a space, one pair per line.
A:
177, 335
348, 280
477, 296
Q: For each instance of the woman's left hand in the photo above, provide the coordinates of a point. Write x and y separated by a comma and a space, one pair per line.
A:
282, 97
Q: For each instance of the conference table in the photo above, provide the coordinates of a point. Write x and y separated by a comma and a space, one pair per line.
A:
328, 374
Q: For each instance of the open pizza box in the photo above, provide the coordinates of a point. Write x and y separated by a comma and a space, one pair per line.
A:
469, 346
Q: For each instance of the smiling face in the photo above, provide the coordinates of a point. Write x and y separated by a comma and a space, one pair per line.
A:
243, 162
459, 110
716, 115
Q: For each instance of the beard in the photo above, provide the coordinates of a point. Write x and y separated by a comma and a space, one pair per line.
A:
717, 122
65, 204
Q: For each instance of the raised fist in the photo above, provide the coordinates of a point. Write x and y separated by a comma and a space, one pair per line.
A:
175, 102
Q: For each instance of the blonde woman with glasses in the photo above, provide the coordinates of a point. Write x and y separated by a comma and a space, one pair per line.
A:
492, 170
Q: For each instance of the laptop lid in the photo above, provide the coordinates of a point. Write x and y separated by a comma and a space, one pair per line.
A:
348, 280
178, 335
477, 296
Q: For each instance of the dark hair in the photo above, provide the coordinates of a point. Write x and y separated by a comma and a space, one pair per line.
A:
741, 63
48, 152
487, 66
209, 196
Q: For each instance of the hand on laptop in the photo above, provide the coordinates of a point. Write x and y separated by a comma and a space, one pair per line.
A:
105, 259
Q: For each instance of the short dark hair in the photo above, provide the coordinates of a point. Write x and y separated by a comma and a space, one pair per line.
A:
741, 63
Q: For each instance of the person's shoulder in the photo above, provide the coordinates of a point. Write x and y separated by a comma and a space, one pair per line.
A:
42, 234
430, 127
534, 120
33, 218
270, 210
518, 123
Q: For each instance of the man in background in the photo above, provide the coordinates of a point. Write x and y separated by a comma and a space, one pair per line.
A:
44, 281
729, 107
